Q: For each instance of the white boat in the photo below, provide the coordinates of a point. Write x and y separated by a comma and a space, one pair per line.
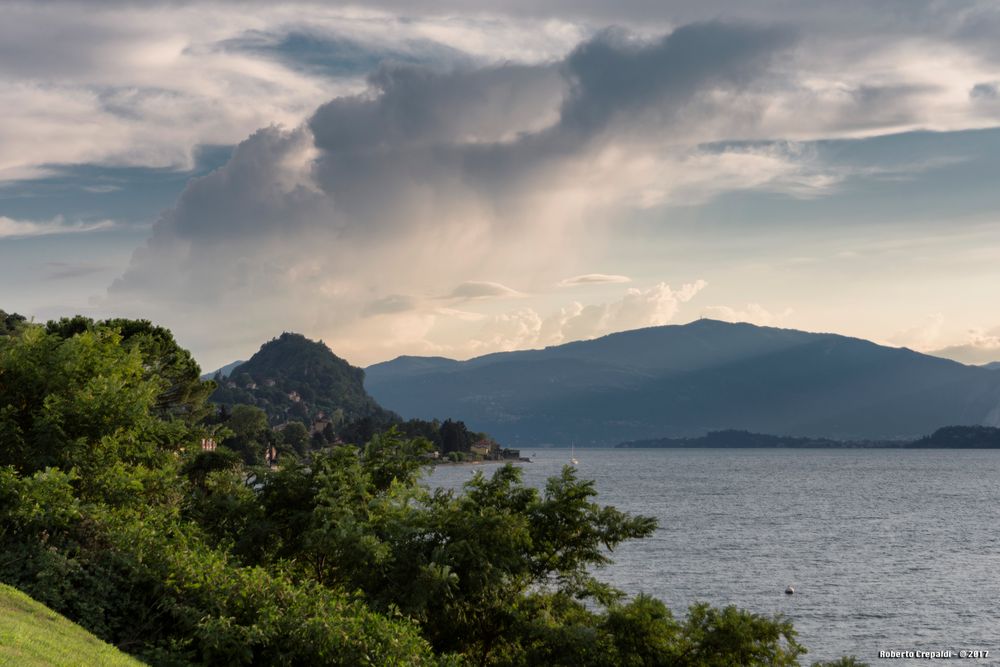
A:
572, 455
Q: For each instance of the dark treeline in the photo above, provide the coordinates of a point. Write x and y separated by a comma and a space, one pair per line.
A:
949, 437
115, 512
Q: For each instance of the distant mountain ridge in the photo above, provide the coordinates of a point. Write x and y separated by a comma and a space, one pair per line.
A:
224, 371
687, 380
732, 439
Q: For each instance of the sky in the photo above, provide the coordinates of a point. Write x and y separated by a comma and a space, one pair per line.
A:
436, 177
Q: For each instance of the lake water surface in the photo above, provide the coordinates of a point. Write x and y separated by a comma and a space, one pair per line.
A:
886, 549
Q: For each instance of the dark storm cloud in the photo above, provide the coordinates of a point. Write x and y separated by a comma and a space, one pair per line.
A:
247, 197
616, 73
496, 131
613, 74
985, 91
413, 106
422, 143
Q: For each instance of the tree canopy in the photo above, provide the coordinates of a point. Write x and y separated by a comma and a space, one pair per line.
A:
113, 514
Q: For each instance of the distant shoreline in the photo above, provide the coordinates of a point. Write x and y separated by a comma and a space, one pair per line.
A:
948, 437
475, 463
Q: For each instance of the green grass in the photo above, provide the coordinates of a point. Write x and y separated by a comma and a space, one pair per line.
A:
32, 634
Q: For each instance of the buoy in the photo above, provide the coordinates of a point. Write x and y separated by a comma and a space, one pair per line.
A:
789, 591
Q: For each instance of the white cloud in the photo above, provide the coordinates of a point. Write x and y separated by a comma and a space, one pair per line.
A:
924, 336
424, 176
426, 179
524, 327
593, 279
509, 331
980, 347
14, 229
96, 83
754, 313
472, 289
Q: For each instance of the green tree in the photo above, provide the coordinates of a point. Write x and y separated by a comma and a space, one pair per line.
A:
113, 515
250, 433
455, 437
10, 323
182, 392
82, 402
94, 481
295, 437
722, 637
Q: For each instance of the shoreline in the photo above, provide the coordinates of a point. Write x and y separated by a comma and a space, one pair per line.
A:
477, 463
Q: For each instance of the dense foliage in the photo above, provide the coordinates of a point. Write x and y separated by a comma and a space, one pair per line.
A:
10, 322
112, 514
292, 377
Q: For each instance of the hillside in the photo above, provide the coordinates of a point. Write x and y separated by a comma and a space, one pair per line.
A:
686, 380
33, 634
961, 437
294, 378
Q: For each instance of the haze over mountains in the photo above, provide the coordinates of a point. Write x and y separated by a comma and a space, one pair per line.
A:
686, 380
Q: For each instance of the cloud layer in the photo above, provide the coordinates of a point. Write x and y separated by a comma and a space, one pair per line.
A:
18, 229
430, 176
402, 172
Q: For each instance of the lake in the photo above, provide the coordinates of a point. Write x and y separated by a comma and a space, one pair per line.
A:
886, 549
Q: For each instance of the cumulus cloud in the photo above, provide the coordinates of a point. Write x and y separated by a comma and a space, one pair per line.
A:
923, 336
637, 308
14, 229
425, 176
429, 177
593, 279
981, 347
91, 83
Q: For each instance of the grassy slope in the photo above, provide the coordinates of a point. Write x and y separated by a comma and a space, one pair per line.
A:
32, 634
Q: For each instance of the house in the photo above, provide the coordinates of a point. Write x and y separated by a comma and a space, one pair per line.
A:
319, 424
485, 448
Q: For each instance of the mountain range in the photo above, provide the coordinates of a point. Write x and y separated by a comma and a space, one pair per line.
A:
687, 380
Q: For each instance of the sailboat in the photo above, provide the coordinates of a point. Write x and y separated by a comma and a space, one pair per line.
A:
572, 455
